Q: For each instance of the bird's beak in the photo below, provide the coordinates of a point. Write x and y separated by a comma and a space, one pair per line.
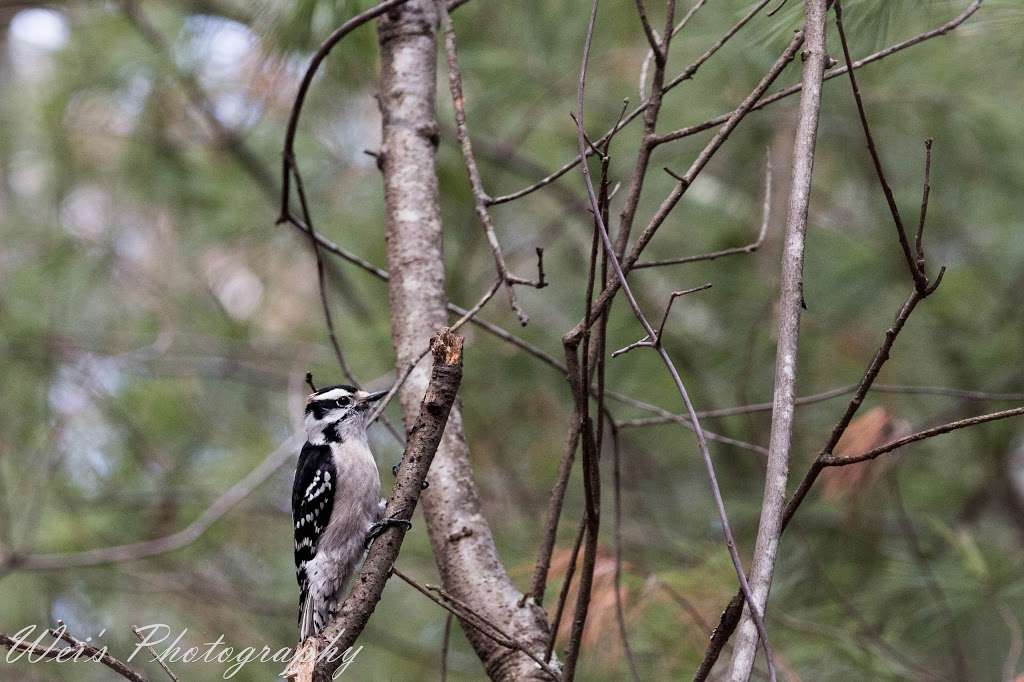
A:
374, 397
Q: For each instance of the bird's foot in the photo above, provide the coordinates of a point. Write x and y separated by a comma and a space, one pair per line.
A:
378, 528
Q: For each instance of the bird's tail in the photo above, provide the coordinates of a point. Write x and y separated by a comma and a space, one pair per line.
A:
307, 627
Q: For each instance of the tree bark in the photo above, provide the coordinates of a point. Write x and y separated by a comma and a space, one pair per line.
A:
459, 534
791, 302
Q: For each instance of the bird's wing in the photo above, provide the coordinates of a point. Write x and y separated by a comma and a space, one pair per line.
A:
312, 503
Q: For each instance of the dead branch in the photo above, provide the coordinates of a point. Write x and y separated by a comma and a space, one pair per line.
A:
920, 279
831, 460
467, 614
78, 650
942, 30
766, 210
168, 543
621, 278
420, 448
480, 197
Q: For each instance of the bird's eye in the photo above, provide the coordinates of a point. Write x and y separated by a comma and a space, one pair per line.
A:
342, 402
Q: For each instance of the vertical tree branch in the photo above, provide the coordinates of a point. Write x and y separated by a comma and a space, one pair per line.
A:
620, 615
463, 546
620, 279
790, 305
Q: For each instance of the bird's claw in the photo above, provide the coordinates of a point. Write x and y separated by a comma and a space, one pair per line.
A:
379, 527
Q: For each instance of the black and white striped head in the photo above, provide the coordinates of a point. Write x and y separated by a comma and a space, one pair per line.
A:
337, 413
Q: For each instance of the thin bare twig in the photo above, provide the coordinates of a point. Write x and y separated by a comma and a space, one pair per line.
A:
620, 275
831, 460
920, 280
926, 191
691, 70
646, 65
156, 657
620, 615
942, 30
647, 341
553, 514
474, 619
321, 274
480, 197
467, 316
666, 417
563, 596
652, 36
288, 155
766, 210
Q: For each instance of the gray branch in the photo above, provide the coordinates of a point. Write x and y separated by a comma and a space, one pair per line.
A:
790, 306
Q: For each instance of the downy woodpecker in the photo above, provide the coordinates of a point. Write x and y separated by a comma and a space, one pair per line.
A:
336, 503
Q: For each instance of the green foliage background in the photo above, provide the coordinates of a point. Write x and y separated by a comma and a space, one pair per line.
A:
154, 322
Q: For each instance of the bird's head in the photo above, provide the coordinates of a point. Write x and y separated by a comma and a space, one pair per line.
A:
336, 413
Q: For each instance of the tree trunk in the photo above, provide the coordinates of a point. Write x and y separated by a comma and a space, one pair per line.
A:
461, 538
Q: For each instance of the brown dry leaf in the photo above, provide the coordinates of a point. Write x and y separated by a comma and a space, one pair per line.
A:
873, 428
601, 634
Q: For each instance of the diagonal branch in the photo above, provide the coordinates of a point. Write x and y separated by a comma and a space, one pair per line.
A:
831, 460
942, 30
78, 650
920, 280
420, 448
478, 622
766, 212
627, 291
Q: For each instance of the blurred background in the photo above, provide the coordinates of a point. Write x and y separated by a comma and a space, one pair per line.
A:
155, 326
